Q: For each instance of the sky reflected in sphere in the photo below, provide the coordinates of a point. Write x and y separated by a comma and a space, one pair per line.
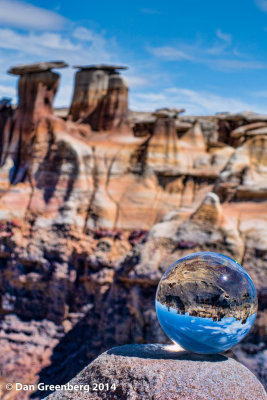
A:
206, 302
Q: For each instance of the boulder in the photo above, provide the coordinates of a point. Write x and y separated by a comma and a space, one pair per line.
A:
160, 372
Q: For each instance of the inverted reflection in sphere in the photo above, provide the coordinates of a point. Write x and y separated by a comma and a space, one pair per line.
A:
206, 302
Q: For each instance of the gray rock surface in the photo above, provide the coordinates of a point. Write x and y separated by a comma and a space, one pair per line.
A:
164, 372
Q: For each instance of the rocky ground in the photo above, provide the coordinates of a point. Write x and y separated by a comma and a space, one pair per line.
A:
96, 203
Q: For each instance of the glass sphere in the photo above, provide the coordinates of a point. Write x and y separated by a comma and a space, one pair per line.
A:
206, 302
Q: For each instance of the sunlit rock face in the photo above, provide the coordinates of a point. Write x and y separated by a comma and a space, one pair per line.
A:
206, 302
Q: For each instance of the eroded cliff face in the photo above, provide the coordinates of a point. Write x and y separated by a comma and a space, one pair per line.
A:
96, 206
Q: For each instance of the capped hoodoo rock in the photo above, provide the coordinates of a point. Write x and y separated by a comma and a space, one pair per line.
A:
100, 97
36, 67
37, 87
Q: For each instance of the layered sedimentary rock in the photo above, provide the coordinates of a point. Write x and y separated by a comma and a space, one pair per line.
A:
36, 90
100, 97
163, 372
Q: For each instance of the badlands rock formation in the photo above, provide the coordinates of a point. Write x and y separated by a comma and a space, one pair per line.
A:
36, 90
100, 97
164, 372
95, 206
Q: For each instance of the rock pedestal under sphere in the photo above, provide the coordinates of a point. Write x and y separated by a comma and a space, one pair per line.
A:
159, 372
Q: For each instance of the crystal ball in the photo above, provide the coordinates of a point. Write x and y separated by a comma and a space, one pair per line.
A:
206, 302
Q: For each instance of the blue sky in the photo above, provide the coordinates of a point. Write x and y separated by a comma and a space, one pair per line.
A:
205, 56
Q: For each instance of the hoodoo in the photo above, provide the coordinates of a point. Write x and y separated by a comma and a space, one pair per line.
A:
100, 97
37, 87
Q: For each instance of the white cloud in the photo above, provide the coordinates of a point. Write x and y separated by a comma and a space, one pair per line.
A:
20, 14
137, 81
30, 47
224, 41
208, 56
226, 37
151, 97
230, 58
34, 43
169, 53
22, 47
262, 4
87, 35
236, 65
195, 102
